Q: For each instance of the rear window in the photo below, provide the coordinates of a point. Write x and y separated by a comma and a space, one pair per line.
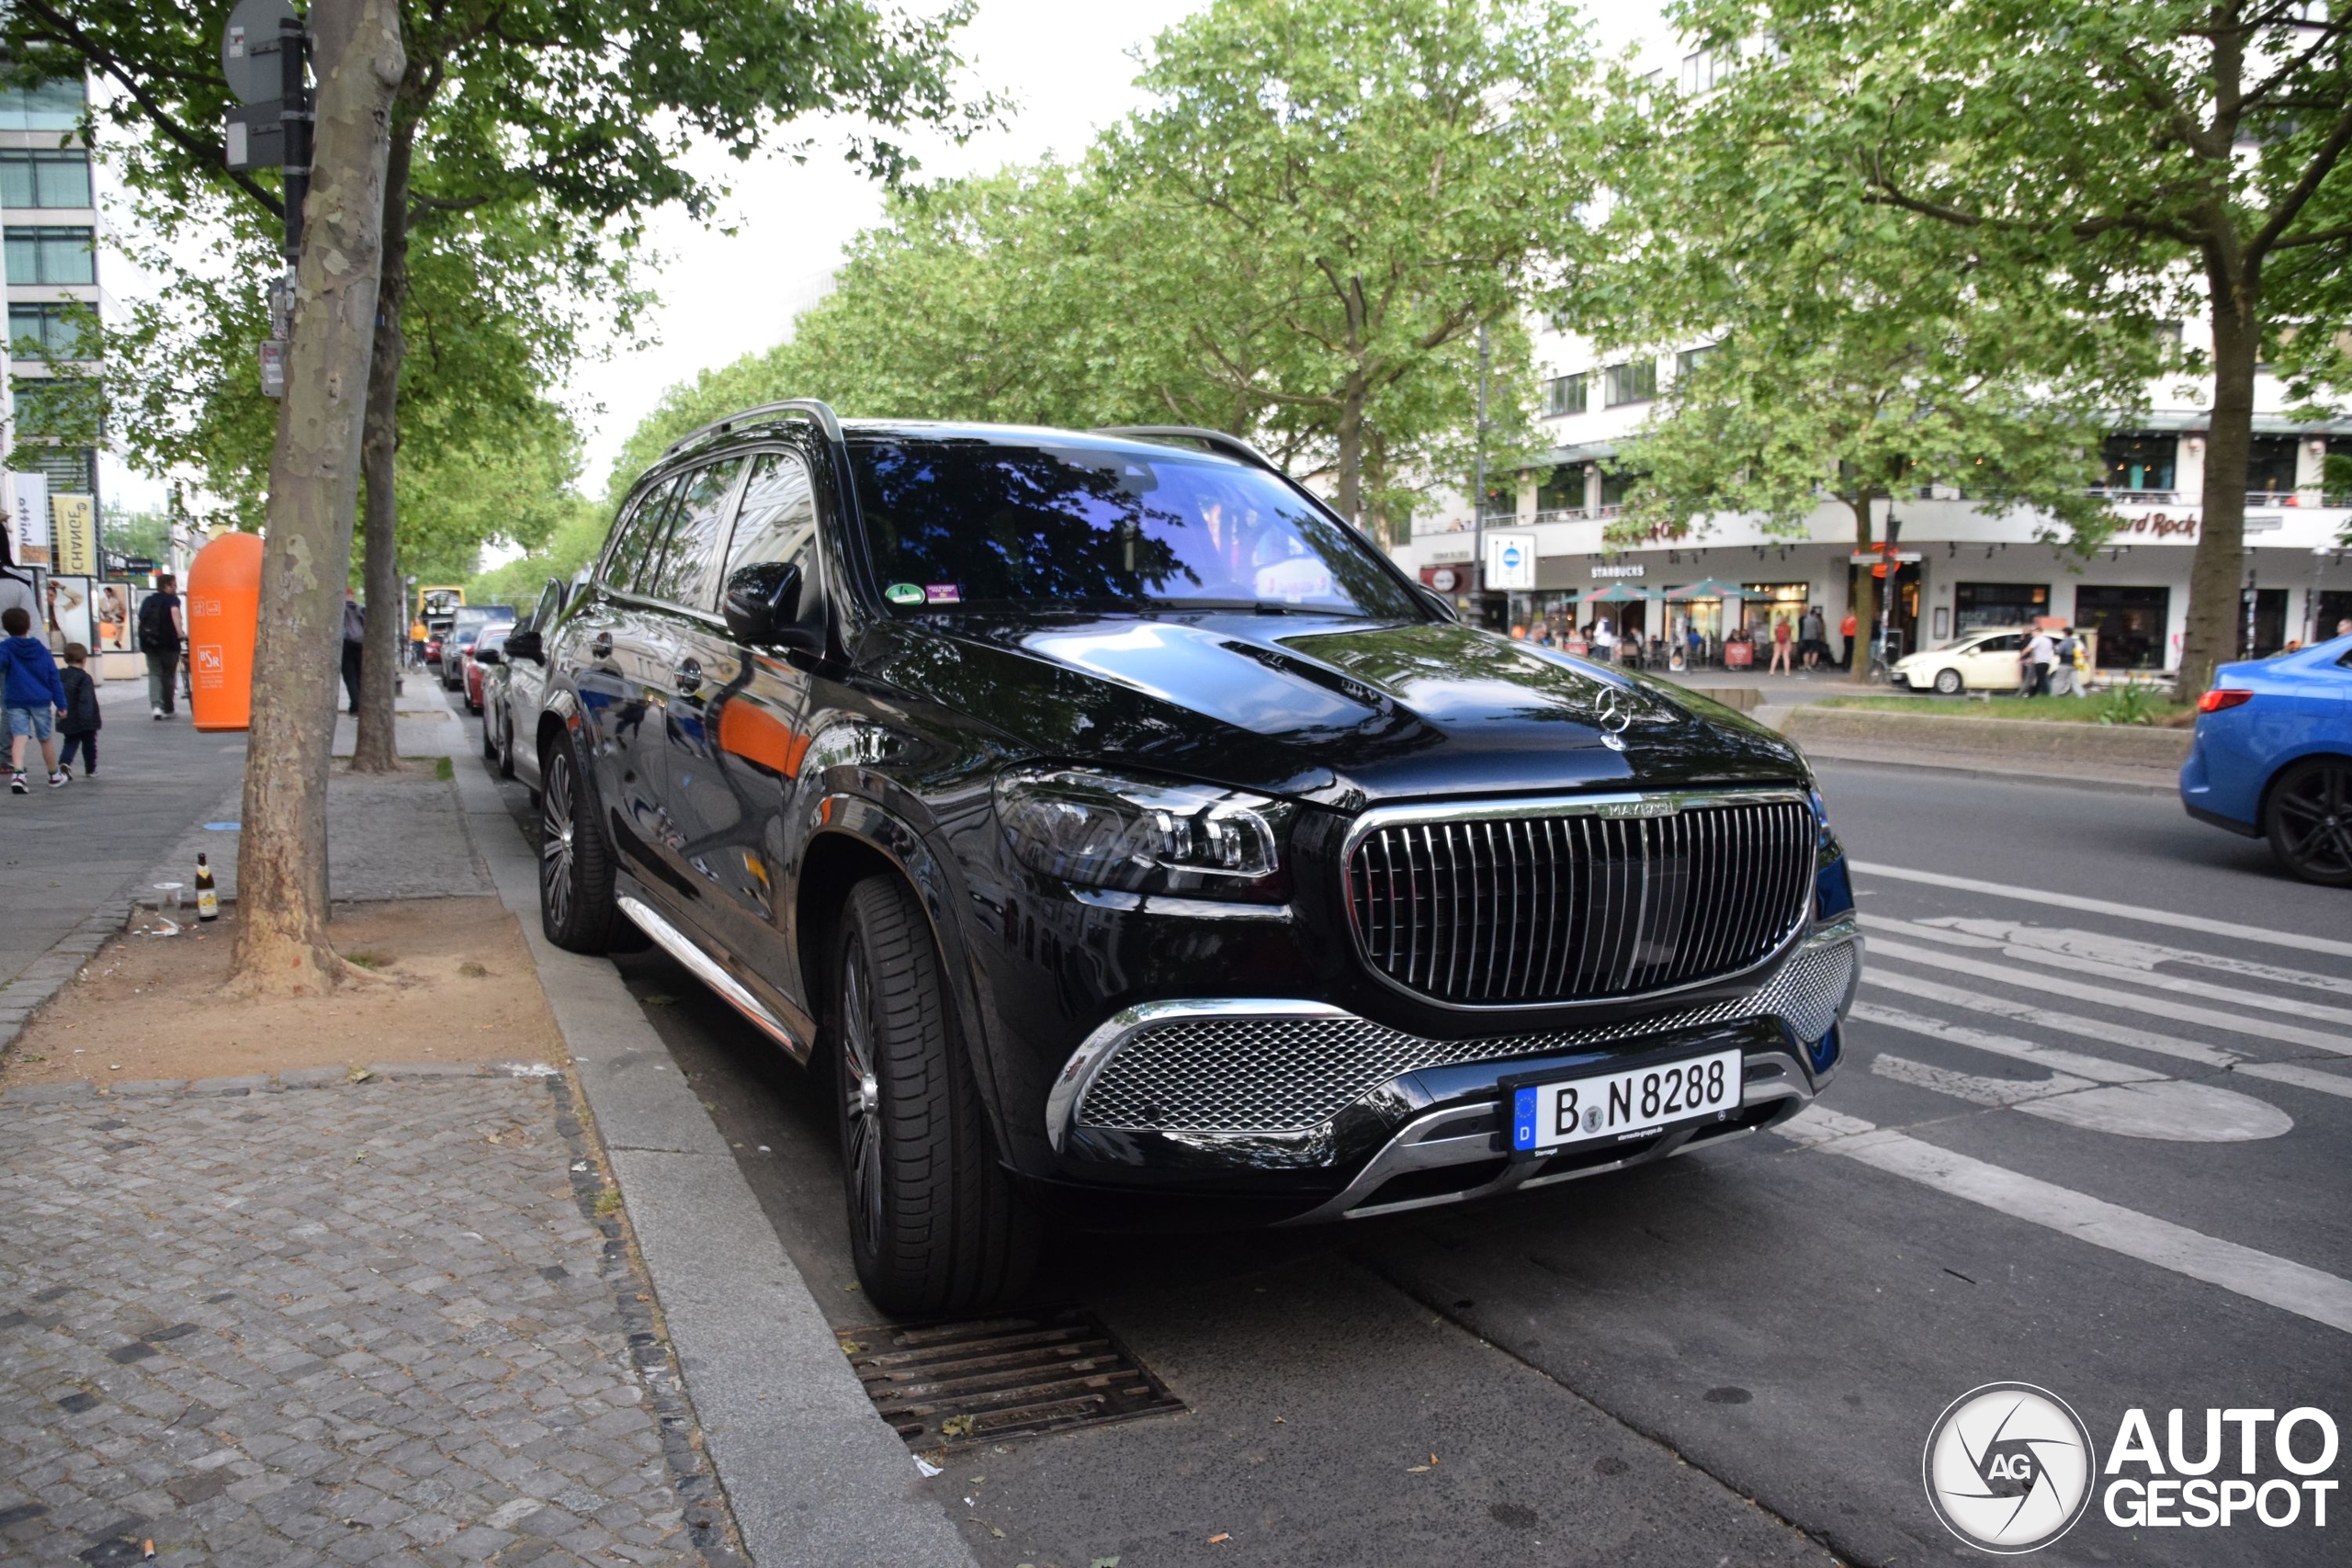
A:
954, 524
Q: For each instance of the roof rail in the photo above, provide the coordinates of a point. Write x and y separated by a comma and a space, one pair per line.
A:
1215, 440
818, 413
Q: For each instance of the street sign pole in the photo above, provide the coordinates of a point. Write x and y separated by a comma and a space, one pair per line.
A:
264, 54
1886, 597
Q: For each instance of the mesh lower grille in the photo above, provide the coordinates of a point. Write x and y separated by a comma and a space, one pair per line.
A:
1577, 906
1291, 1075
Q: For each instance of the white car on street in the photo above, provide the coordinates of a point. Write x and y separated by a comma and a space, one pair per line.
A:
1984, 660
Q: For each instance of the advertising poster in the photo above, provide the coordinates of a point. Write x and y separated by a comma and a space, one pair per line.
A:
73, 522
31, 519
67, 597
112, 613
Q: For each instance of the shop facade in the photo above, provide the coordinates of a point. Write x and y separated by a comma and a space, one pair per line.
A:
1972, 571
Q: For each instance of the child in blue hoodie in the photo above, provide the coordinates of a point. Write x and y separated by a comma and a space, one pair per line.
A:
31, 692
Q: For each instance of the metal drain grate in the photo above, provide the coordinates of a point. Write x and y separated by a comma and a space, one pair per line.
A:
945, 1384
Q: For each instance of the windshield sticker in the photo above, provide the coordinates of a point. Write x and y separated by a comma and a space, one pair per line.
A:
903, 594
942, 594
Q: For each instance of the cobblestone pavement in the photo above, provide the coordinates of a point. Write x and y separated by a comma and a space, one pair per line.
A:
377, 1322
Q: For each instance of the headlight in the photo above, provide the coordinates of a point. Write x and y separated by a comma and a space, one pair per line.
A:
1142, 835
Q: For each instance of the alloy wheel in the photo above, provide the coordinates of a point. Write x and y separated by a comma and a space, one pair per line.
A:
556, 825
860, 1098
2313, 816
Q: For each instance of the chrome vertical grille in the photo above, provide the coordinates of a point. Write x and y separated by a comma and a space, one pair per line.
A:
1579, 901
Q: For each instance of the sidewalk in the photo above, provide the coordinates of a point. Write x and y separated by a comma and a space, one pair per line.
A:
297, 1318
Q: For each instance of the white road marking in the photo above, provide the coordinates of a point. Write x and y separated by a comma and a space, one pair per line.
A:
2102, 907
2260, 1029
1971, 1087
2259, 1276
2134, 1103
2100, 1029
2123, 952
2294, 1007
2095, 1068
2170, 1110
2300, 1077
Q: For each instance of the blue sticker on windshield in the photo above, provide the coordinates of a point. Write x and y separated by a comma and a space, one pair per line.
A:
904, 593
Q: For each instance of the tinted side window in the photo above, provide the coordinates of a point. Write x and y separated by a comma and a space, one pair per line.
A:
2011, 643
641, 529
685, 574
550, 605
778, 518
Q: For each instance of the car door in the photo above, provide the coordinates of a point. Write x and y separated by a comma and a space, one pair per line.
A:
1992, 664
605, 649
675, 623
737, 736
525, 688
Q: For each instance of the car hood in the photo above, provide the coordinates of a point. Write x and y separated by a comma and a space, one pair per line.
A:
1339, 710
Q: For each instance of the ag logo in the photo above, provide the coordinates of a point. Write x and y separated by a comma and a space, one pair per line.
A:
1613, 713
2008, 1468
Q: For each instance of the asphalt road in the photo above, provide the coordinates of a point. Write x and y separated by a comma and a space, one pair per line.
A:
2077, 1143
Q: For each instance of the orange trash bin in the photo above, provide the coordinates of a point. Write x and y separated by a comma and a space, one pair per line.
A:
224, 608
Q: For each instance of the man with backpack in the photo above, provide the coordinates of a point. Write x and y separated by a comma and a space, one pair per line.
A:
161, 634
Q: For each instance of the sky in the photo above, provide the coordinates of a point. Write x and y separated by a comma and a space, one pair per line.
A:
1067, 67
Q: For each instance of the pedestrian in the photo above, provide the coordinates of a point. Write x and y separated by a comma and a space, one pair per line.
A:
1812, 643
15, 582
1781, 664
2343, 626
2082, 660
1604, 640
162, 633
2041, 656
31, 692
2061, 663
354, 639
81, 721
1846, 637
417, 633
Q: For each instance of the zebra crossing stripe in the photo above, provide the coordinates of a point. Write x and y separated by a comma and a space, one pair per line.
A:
1919, 989
2243, 1271
2300, 1077
2036, 896
2007, 975
2294, 1007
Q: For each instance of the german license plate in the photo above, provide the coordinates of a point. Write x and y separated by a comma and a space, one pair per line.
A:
1633, 1102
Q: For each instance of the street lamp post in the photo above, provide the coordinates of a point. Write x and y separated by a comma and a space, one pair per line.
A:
1478, 500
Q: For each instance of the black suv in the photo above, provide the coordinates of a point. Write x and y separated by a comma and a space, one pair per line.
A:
1131, 841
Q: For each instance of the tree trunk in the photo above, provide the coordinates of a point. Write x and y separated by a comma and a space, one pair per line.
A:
313, 482
2215, 576
388, 608
1865, 605
1349, 500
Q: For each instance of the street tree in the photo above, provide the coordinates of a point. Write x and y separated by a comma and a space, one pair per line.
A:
574, 114
2159, 157
1338, 192
281, 945
1829, 349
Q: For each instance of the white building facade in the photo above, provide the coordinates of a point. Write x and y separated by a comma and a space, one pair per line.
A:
1974, 569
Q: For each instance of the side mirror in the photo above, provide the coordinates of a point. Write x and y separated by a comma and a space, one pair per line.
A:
489, 656
527, 645
762, 606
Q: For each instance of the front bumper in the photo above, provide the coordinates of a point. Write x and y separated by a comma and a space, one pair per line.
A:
1324, 1114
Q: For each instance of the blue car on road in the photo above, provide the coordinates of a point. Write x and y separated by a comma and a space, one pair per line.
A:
2273, 758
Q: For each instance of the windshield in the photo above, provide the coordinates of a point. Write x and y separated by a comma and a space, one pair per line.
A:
957, 523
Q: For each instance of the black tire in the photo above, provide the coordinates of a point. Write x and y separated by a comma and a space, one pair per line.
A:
2309, 821
488, 740
505, 749
936, 1227
1947, 681
577, 908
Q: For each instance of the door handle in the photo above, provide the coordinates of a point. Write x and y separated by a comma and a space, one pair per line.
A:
688, 677
603, 646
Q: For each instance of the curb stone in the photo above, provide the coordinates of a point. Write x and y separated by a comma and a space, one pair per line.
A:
265, 1083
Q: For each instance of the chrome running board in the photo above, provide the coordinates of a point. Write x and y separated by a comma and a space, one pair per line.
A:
704, 967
